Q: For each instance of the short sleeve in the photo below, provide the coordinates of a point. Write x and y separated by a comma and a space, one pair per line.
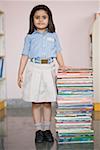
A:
26, 47
57, 43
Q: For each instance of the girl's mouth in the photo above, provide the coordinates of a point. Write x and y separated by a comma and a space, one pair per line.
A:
40, 23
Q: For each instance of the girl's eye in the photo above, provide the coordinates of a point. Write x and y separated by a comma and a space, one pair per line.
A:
37, 17
44, 17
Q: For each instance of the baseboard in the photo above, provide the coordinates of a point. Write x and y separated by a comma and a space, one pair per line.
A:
96, 106
2, 104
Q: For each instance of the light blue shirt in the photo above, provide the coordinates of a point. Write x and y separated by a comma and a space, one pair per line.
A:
41, 44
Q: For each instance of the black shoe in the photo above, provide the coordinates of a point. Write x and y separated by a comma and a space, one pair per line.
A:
48, 136
44, 145
39, 136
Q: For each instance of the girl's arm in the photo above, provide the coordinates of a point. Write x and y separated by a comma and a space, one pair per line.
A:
23, 62
60, 61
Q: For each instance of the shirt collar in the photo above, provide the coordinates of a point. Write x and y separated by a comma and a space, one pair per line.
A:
35, 31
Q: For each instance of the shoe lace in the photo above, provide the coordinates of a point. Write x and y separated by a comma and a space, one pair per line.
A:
48, 132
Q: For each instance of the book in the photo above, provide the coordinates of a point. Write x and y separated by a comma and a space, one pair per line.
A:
1, 67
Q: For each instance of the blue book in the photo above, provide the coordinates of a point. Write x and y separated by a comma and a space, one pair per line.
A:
1, 67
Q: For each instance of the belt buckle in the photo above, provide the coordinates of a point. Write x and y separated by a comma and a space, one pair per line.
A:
44, 61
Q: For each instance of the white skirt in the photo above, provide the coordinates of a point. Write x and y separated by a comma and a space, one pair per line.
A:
39, 83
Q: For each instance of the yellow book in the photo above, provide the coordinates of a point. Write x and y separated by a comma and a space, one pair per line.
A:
2, 104
96, 106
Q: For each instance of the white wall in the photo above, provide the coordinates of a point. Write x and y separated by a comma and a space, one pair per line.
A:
73, 20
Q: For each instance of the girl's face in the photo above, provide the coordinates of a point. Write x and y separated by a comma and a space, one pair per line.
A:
41, 20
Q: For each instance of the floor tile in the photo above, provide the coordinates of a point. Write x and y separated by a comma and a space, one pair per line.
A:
17, 132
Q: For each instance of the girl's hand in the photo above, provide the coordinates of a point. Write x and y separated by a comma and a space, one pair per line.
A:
68, 68
61, 69
64, 68
20, 81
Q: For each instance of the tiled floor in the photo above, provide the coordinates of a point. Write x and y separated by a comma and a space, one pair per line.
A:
17, 132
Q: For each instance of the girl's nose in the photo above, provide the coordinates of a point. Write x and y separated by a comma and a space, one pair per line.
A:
40, 19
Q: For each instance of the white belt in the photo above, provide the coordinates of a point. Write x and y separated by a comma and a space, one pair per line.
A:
42, 60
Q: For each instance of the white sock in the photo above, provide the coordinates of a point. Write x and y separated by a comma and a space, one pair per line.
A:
38, 126
46, 125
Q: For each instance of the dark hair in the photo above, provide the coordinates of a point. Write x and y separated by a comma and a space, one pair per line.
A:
51, 26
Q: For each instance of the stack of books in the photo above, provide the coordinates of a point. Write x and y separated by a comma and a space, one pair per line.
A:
74, 106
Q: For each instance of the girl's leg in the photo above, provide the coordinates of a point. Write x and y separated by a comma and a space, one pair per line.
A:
36, 113
47, 115
47, 122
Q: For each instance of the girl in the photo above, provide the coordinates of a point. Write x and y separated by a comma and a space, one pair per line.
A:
41, 48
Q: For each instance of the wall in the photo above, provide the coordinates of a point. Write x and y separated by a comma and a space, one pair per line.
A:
73, 21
